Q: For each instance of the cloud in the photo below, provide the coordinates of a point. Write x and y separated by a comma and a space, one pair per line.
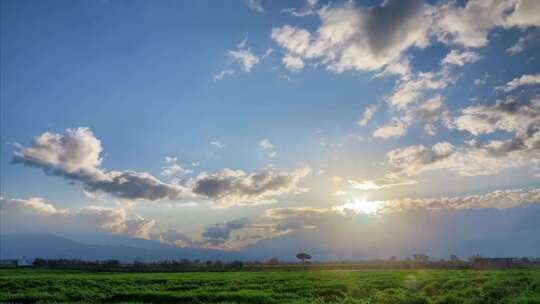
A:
221, 75
517, 48
429, 112
244, 56
293, 63
223, 231
524, 43
75, 155
297, 13
381, 183
411, 88
396, 128
469, 25
416, 159
77, 152
375, 38
217, 144
509, 115
524, 80
295, 40
174, 169
255, 5
354, 38
458, 58
499, 199
290, 219
266, 144
36, 215
235, 187
171, 159
522, 119
173, 237
368, 114
133, 185
481, 81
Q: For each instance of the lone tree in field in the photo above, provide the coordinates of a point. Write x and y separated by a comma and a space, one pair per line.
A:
303, 256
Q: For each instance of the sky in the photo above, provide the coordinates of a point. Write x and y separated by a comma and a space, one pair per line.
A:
352, 129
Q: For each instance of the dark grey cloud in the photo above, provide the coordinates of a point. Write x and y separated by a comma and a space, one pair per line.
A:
237, 187
134, 185
222, 232
388, 25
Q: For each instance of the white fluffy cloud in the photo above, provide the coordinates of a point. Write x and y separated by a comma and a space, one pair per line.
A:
36, 215
409, 89
524, 80
521, 119
366, 117
353, 38
76, 155
396, 128
508, 115
174, 169
77, 151
469, 160
375, 38
293, 63
458, 58
429, 112
470, 24
417, 159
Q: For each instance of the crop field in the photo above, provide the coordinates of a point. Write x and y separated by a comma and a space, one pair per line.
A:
377, 286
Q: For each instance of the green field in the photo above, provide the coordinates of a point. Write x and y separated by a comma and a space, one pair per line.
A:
377, 286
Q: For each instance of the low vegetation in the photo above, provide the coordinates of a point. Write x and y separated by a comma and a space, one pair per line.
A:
377, 286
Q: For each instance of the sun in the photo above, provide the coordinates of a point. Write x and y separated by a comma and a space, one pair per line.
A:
360, 205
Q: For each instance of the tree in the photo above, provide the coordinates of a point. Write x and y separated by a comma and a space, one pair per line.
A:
454, 258
303, 256
273, 261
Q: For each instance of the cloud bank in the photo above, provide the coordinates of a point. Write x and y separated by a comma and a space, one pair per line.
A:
76, 155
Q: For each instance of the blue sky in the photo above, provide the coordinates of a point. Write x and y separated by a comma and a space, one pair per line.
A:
140, 115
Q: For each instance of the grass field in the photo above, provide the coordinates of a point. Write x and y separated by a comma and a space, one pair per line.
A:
384, 287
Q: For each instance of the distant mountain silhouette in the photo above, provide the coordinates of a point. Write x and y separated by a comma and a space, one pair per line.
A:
126, 249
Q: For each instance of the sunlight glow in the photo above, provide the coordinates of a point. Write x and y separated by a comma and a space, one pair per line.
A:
360, 205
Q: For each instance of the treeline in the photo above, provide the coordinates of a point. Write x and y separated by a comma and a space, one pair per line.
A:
185, 265
116, 265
